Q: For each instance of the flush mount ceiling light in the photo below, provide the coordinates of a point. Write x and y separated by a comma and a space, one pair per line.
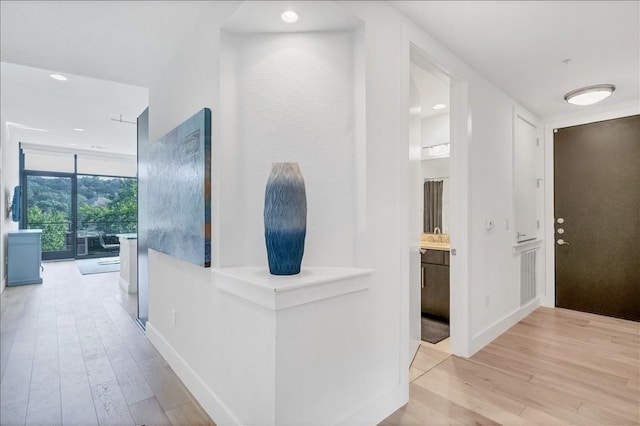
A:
589, 95
290, 16
439, 106
58, 77
78, 129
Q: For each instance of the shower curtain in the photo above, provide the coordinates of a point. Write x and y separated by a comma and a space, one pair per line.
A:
432, 205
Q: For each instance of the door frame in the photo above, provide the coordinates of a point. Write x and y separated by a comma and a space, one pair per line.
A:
612, 112
417, 46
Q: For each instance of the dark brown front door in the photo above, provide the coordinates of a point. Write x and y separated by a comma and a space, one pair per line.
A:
597, 217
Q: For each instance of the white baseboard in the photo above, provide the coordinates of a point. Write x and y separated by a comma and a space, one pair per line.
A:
200, 390
372, 412
486, 336
126, 286
379, 408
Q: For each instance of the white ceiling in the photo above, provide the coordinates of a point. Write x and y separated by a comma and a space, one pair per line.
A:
520, 46
251, 17
122, 41
44, 111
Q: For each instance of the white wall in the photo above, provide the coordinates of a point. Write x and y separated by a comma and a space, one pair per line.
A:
293, 100
10, 179
435, 130
191, 291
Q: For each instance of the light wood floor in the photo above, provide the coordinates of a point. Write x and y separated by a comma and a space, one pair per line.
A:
554, 367
70, 353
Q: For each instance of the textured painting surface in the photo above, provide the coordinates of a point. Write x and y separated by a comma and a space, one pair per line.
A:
180, 191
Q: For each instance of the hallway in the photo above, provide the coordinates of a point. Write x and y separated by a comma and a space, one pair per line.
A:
72, 354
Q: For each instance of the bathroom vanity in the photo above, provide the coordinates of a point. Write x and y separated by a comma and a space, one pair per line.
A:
435, 258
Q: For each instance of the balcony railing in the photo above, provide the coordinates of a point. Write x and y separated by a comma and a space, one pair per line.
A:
58, 236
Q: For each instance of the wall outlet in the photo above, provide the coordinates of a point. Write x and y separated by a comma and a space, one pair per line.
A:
173, 317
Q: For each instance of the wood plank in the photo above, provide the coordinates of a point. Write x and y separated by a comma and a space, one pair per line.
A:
484, 403
189, 414
554, 367
427, 358
428, 415
447, 407
110, 404
149, 412
542, 366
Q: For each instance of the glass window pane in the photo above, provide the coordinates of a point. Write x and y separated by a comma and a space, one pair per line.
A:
49, 209
107, 206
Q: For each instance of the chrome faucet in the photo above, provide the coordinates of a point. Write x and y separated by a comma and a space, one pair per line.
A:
437, 230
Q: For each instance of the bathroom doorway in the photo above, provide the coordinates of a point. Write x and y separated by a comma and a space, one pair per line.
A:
429, 129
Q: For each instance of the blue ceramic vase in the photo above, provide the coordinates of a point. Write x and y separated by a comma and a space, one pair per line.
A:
285, 218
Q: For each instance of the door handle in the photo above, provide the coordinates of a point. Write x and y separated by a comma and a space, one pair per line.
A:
562, 242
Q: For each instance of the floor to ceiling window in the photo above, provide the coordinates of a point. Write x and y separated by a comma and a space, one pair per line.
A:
81, 214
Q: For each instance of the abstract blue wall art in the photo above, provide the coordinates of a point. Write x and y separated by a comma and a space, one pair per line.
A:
285, 218
179, 191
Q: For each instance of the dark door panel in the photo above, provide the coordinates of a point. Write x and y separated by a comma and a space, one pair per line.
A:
597, 199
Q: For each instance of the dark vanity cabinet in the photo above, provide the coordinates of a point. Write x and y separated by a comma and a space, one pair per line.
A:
435, 283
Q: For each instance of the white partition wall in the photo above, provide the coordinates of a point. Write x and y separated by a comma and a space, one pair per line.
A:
318, 347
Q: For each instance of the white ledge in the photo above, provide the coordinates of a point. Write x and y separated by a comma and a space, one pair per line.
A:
527, 245
257, 285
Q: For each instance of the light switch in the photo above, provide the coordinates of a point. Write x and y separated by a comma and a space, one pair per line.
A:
488, 224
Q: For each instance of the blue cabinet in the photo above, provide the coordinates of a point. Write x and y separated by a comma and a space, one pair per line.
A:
24, 253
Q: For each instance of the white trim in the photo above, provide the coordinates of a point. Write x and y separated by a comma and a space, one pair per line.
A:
494, 330
3, 284
257, 285
527, 245
460, 135
209, 401
530, 119
618, 111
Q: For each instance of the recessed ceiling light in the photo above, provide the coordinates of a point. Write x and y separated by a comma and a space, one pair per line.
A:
589, 95
290, 16
439, 106
58, 77
78, 129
